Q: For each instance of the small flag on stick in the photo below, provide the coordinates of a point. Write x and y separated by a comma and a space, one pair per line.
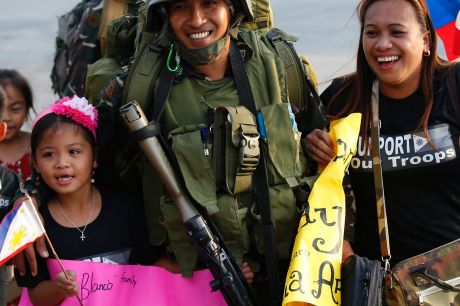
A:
18, 229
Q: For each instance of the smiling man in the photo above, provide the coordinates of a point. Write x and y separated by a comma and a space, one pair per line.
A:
222, 98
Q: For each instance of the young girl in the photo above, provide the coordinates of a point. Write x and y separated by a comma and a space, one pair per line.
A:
14, 149
82, 222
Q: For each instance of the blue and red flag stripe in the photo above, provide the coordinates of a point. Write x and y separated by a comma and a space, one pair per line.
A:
444, 14
4, 228
5, 225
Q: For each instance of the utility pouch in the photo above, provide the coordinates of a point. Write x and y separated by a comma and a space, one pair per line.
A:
231, 221
236, 149
195, 166
282, 138
179, 242
286, 172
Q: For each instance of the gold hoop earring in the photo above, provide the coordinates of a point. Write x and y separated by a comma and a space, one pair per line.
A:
426, 53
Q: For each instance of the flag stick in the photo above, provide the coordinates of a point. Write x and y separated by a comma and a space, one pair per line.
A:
60, 264
28, 198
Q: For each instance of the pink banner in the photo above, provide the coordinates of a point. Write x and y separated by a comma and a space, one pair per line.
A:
107, 284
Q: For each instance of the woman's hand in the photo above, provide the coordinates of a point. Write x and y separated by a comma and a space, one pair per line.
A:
320, 146
347, 250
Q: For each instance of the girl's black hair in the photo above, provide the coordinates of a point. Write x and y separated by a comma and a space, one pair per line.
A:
53, 122
2, 100
17, 80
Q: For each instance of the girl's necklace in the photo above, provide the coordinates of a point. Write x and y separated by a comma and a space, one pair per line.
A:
82, 236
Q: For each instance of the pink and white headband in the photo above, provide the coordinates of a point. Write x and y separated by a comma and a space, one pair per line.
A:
76, 108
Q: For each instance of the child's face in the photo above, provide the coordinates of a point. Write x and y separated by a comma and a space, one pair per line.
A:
65, 159
15, 111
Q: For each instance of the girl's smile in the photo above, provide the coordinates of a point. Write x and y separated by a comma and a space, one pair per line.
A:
65, 158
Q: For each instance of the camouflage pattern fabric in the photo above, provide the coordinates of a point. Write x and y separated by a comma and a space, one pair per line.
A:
350, 206
76, 46
378, 176
426, 278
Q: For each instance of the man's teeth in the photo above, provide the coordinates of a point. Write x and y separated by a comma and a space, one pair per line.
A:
199, 35
387, 59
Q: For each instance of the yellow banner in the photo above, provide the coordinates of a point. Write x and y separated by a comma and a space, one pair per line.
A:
314, 272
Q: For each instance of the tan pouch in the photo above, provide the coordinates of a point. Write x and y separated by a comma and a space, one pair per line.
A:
236, 149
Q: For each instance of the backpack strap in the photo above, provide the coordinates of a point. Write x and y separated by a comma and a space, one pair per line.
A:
293, 70
140, 83
301, 90
243, 87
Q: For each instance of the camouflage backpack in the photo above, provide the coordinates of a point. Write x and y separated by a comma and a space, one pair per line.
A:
120, 35
81, 41
116, 78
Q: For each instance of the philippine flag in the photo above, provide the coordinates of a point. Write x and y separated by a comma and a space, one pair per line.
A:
19, 228
446, 19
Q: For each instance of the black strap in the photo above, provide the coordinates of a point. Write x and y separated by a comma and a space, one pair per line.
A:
165, 84
151, 130
243, 87
424, 273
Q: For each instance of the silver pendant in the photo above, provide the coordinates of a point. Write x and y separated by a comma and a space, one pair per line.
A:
82, 236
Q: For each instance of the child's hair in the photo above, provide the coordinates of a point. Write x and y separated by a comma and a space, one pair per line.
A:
15, 79
53, 122
2, 100
76, 111
75, 108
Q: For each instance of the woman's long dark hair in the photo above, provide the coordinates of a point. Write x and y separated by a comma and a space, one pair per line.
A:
52, 122
359, 83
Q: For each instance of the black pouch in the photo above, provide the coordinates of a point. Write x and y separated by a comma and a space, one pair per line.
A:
362, 282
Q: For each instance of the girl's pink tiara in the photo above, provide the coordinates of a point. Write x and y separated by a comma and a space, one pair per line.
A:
76, 108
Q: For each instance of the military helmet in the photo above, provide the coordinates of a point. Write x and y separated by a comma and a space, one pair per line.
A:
157, 13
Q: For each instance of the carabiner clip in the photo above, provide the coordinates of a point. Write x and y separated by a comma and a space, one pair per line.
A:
177, 58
